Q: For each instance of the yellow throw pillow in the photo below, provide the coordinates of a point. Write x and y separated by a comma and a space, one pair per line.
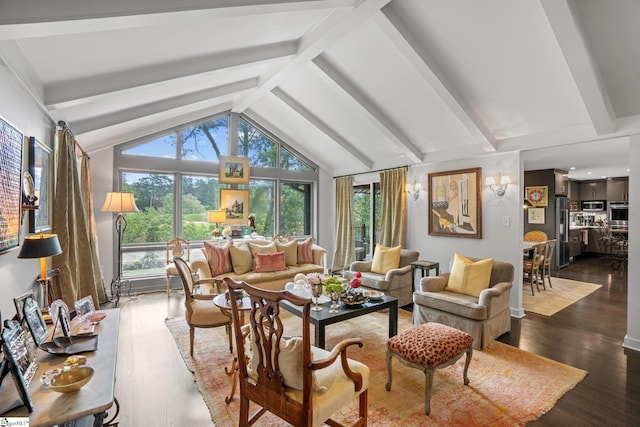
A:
385, 259
290, 251
241, 258
468, 277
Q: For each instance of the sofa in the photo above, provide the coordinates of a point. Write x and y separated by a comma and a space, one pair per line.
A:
201, 261
396, 282
485, 317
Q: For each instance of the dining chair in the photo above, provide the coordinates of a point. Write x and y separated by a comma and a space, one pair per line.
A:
200, 311
535, 236
532, 266
177, 247
287, 376
550, 246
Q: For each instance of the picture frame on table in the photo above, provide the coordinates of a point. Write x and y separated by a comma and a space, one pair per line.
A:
234, 170
84, 308
20, 356
40, 169
535, 216
455, 203
19, 303
11, 146
60, 315
236, 205
34, 320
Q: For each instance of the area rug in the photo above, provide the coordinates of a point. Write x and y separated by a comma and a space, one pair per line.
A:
550, 301
508, 386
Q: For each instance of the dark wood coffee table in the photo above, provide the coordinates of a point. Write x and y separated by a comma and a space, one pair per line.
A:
320, 319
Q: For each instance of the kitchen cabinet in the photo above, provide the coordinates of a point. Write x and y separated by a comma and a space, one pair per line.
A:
574, 191
561, 183
593, 190
575, 243
594, 245
618, 189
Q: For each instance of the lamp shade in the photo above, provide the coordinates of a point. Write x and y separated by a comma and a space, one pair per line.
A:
217, 216
39, 246
119, 202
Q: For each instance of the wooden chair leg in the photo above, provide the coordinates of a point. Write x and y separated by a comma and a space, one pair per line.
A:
388, 385
428, 382
465, 377
230, 335
168, 283
191, 337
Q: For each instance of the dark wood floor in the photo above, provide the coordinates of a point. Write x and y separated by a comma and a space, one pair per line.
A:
588, 335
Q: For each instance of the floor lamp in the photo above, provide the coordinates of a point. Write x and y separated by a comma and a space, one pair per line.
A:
41, 246
120, 203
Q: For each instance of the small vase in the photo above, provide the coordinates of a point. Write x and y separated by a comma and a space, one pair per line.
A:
334, 302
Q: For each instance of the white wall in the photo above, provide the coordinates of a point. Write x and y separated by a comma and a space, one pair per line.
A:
498, 242
16, 107
632, 339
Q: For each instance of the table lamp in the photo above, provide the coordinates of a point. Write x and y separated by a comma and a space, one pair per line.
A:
41, 246
120, 203
217, 217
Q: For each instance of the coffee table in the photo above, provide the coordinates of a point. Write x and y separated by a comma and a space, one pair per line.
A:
320, 319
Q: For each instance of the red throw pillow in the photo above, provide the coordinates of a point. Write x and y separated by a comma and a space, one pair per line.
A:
269, 262
305, 254
218, 257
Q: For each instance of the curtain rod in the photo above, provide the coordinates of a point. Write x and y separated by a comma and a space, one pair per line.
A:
63, 125
406, 167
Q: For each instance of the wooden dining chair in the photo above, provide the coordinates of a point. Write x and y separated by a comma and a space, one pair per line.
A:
532, 266
550, 246
200, 312
535, 236
177, 247
287, 376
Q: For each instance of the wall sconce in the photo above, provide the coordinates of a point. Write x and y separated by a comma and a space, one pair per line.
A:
498, 189
414, 190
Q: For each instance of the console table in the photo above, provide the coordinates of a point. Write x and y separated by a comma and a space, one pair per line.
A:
94, 399
424, 267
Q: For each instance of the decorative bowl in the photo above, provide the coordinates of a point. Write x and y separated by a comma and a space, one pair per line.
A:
96, 318
71, 380
353, 300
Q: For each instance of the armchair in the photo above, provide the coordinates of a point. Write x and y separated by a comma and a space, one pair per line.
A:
484, 317
397, 281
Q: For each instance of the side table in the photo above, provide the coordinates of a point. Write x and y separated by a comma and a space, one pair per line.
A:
424, 266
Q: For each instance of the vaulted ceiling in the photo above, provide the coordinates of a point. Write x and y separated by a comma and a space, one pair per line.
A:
354, 85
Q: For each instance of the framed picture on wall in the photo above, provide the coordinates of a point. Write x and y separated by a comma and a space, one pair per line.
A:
236, 205
535, 215
455, 203
537, 196
234, 170
11, 143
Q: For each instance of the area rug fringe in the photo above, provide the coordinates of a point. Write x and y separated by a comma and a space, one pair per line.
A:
508, 387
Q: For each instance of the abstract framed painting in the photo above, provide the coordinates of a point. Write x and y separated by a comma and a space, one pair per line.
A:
11, 144
455, 203
236, 205
234, 170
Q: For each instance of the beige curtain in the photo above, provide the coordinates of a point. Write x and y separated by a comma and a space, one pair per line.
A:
73, 222
393, 222
344, 251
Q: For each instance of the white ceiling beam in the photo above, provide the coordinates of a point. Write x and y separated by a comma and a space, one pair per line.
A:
130, 131
401, 37
128, 114
357, 155
575, 48
372, 112
335, 26
79, 91
284, 137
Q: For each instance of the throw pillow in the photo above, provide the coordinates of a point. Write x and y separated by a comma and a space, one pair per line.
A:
218, 257
468, 277
385, 259
241, 258
289, 361
305, 251
269, 262
290, 250
259, 248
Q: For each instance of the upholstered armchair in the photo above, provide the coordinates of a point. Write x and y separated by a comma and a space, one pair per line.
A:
485, 317
396, 282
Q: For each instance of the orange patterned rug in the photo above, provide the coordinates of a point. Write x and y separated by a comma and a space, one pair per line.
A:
508, 386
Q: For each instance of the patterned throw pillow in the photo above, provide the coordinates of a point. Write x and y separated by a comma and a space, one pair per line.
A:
218, 257
305, 253
269, 262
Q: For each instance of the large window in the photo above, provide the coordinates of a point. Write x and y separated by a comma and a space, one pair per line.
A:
367, 211
174, 178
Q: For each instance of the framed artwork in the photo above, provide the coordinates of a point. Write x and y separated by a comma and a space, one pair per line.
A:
84, 308
40, 170
11, 143
60, 312
20, 354
236, 205
455, 203
535, 215
234, 170
19, 303
537, 196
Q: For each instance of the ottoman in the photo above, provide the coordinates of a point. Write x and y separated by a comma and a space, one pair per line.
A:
428, 347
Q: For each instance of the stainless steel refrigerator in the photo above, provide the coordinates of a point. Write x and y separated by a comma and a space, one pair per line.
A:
562, 231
